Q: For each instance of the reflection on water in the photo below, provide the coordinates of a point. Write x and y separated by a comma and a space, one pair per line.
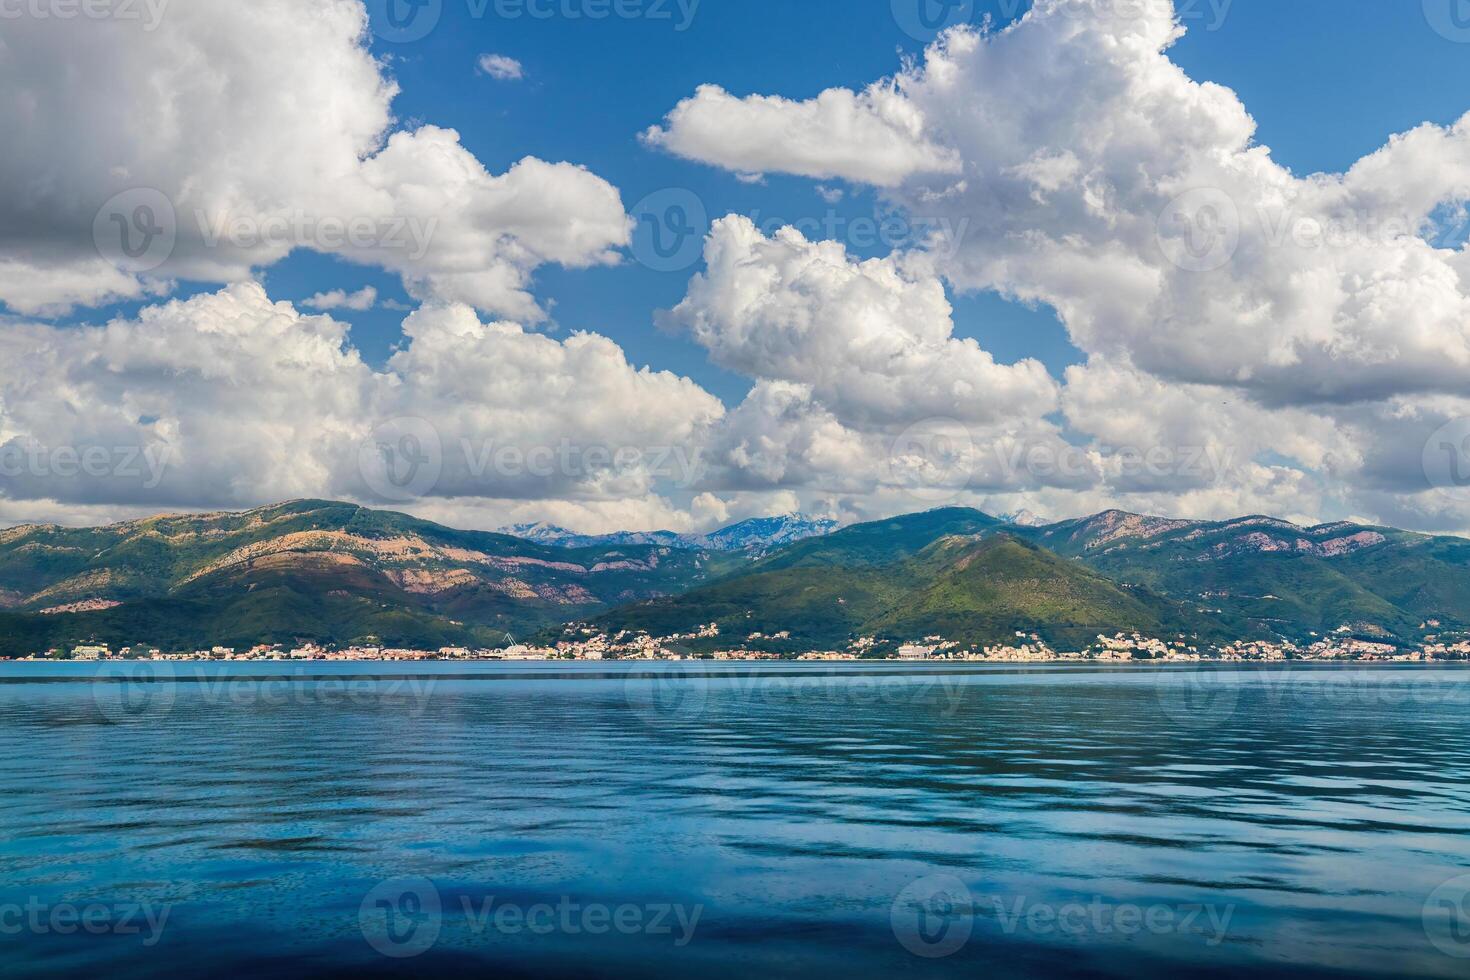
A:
636, 820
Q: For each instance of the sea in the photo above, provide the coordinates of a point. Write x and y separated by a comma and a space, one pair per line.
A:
707, 820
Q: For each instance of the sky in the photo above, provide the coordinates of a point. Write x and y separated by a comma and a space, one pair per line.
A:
636, 264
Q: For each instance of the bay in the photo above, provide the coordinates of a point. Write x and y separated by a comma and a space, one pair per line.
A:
648, 819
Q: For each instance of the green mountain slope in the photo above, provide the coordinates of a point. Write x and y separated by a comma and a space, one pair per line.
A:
953, 573
1278, 577
309, 570
881, 542
986, 591
822, 590
338, 573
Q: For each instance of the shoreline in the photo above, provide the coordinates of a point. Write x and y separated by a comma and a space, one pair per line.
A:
792, 663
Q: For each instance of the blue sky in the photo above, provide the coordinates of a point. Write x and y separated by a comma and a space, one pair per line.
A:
1086, 162
1326, 82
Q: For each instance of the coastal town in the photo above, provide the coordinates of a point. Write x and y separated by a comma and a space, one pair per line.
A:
582, 642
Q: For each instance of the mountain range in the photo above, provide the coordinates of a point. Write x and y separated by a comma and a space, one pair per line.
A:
755, 536
955, 573
1279, 578
338, 573
310, 570
977, 580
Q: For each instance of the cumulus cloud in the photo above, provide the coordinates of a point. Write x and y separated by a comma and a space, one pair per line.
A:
234, 133
650, 513
521, 414
780, 437
875, 136
1134, 200
501, 67
231, 399
473, 237
339, 299
226, 398
872, 339
1307, 323
859, 379
1254, 339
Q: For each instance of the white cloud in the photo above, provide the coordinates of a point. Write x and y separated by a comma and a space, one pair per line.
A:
487, 233
501, 67
1223, 301
229, 399
249, 130
338, 299
875, 136
1308, 352
53, 289
650, 513
222, 399
603, 428
873, 339
781, 438
1072, 162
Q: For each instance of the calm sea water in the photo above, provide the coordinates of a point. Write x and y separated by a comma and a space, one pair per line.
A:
623, 820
